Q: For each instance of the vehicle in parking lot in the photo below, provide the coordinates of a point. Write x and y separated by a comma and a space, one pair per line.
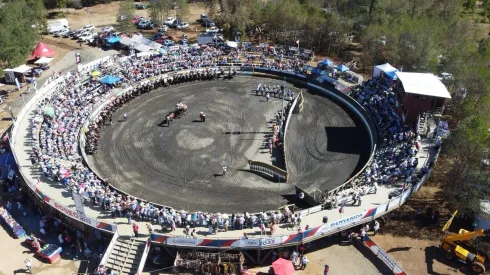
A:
162, 39
145, 24
62, 32
168, 43
170, 20
81, 32
207, 23
163, 28
182, 25
107, 29
68, 34
86, 37
213, 30
89, 27
54, 33
141, 6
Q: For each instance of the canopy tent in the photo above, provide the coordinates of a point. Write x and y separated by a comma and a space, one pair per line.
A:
22, 69
44, 60
283, 267
142, 48
109, 79
232, 44
126, 41
325, 62
385, 68
42, 50
112, 39
423, 84
343, 68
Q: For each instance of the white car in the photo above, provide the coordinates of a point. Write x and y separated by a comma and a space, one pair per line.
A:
62, 32
163, 28
107, 29
182, 25
86, 37
213, 30
170, 20
89, 27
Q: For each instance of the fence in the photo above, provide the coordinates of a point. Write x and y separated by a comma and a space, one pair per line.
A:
383, 256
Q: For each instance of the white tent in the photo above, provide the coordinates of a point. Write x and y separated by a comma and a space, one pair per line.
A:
423, 84
142, 48
232, 44
384, 68
126, 41
44, 60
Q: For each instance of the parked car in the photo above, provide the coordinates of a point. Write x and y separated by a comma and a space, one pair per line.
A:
208, 23
68, 34
107, 29
213, 30
170, 20
168, 43
55, 33
174, 24
146, 25
89, 27
86, 37
81, 33
141, 6
162, 39
182, 25
62, 32
163, 28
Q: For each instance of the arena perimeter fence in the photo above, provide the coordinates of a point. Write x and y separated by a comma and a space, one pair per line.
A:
227, 243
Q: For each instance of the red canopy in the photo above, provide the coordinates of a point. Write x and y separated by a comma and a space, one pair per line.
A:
42, 51
283, 267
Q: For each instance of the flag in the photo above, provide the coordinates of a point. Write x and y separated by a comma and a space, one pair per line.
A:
297, 41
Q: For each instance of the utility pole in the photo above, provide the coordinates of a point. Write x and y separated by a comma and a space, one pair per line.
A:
282, 109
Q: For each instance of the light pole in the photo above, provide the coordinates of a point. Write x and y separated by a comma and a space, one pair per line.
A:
282, 109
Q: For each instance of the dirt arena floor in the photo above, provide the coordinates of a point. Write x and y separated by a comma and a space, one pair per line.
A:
180, 165
326, 145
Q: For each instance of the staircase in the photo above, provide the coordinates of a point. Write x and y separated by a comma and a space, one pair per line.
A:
125, 256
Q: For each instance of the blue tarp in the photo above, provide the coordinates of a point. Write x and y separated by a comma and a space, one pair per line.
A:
326, 62
7, 161
391, 75
113, 39
342, 68
109, 79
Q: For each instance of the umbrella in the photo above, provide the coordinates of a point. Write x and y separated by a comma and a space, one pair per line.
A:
49, 111
283, 267
95, 73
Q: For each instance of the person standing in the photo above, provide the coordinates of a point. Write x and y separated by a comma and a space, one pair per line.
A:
326, 270
294, 257
129, 215
267, 96
125, 116
135, 230
376, 227
28, 264
304, 262
224, 169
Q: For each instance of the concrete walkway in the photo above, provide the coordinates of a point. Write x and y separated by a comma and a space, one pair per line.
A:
55, 190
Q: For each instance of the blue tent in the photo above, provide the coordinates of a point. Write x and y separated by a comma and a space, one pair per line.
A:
326, 62
391, 75
113, 39
342, 68
109, 79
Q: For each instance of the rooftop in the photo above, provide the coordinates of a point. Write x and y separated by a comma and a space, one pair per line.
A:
423, 84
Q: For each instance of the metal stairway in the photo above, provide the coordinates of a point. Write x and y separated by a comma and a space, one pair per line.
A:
125, 256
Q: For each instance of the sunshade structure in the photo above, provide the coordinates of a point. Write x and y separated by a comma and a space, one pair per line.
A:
42, 50
325, 62
113, 39
283, 267
49, 111
343, 68
109, 79
387, 69
43, 60
232, 44
95, 73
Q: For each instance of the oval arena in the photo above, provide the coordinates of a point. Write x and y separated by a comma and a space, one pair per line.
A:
171, 174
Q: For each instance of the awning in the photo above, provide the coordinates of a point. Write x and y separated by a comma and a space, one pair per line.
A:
112, 39
126, 41
342, 68
109, 79
232, 44
21, 69
142, 48
44, 60
326, 62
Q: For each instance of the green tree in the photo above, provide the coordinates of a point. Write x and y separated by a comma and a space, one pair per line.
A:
125, 15
159, 9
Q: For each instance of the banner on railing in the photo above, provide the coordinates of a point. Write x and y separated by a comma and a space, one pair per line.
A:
387, 260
